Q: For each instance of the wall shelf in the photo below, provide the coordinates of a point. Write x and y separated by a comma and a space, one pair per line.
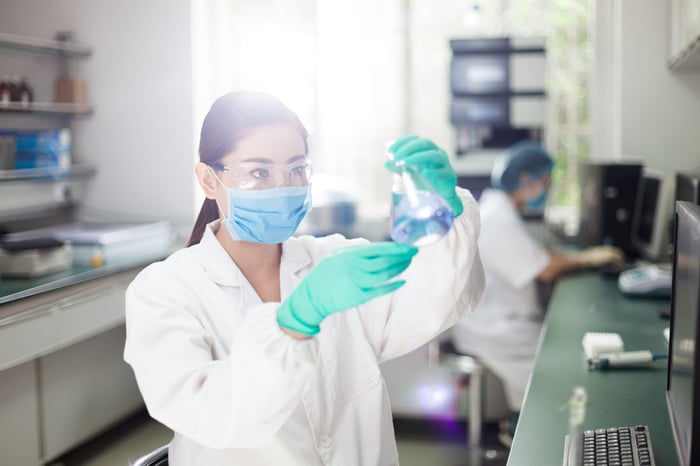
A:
47, 108
74, 172
58, 48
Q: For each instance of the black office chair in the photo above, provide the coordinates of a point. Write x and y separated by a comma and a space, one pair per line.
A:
158, 457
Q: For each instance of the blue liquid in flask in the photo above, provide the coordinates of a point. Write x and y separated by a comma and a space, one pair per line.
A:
422, 221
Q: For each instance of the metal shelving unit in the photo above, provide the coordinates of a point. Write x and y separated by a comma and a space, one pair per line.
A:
63, 49
45, 187
76, 171
60, 48
48, 108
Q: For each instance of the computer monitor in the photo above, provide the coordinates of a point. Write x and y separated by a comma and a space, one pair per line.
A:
474, 183
653, 211
687, 188
683, 385
607, 201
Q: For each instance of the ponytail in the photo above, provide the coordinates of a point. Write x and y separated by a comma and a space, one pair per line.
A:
207, 214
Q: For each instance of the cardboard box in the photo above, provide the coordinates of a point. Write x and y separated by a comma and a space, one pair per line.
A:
70, 90
48, 148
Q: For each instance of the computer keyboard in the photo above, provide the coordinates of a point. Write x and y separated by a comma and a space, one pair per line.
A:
615, 446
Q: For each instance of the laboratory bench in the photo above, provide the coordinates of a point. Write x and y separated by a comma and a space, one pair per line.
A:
62, 375
591, 302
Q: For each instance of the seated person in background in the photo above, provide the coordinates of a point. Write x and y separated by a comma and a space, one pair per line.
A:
503, 331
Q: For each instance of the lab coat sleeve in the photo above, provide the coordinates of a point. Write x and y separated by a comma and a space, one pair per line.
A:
509, 251
444, 281
240, 400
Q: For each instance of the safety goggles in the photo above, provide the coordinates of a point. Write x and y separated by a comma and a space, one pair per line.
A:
260, 175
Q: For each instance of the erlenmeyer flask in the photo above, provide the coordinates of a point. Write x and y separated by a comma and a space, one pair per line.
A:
419, 215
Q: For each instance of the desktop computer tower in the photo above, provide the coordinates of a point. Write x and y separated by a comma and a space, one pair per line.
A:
608, 195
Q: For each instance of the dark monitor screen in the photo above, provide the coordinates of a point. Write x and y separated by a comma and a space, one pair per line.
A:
652, 215
607, 204
682, 385
648, 208
479, 73
474, 183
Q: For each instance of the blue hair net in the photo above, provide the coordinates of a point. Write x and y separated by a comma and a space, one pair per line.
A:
524, 157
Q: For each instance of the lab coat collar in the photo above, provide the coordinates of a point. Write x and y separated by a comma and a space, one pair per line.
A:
496, 198
224, 271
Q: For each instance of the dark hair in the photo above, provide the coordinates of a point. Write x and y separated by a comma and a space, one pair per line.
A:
230, 118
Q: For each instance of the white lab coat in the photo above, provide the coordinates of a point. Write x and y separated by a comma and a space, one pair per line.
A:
504, 329
213, 365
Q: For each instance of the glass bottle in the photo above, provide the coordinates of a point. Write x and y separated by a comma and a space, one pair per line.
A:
26, 93
5, 91
419, 215
14, 89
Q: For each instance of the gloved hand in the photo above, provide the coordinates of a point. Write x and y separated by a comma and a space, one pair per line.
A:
600, 255
432, 163
344, 279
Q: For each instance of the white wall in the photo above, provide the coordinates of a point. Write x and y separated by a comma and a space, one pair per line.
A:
659, 110
140, 83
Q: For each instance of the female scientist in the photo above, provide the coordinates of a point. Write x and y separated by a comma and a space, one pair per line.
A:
259, 348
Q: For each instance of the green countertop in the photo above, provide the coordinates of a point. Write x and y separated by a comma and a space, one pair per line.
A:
616, 397
12, 289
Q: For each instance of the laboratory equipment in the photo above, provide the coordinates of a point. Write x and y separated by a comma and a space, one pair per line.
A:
32, 263
646, 280
682, 390
577, 414
652, 215
497, 90
624, 359
419, 215
595, 343
606, 209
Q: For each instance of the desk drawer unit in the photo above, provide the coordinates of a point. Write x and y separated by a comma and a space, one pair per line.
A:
35, 326
67, 344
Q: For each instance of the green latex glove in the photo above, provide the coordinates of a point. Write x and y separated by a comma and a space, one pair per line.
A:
344, 279
432, 163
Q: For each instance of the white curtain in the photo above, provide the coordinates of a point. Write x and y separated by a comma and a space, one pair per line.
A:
339, 65
364, 72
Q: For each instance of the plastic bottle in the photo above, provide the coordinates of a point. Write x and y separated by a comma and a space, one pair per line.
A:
419, 215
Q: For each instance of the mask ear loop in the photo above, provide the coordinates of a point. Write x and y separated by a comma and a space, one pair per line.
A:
225, 212
217, 178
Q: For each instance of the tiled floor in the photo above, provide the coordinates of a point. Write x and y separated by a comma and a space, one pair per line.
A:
419, 444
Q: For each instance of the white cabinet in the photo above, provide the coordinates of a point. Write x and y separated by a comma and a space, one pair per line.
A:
85, 389
35, 326
19, 417
62, 375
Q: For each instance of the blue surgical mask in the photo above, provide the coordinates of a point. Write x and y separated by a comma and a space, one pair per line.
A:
537, 203
267, 216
